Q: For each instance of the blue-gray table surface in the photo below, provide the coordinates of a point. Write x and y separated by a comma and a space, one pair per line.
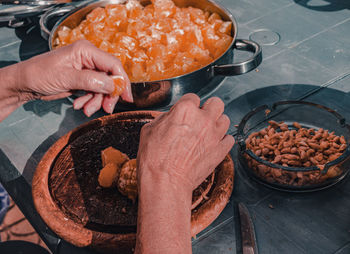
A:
306, 45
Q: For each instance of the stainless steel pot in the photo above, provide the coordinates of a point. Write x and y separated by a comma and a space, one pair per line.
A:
164, 93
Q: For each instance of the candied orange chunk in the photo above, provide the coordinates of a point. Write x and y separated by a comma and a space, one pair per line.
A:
76, 35
164, 8
112, 155
119, 85
138, 72
117, 11
199, 54
108, 175
156, 51
153, 42
197, 15
216, 24
225, 28
97, 15
64, 34
222, 44
140, 56
214, 16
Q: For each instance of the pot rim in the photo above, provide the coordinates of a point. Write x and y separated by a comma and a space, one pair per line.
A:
98, 3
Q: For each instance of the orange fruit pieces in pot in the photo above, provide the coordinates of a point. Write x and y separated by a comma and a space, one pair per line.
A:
153, 42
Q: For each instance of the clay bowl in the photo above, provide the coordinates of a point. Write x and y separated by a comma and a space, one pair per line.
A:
68, 198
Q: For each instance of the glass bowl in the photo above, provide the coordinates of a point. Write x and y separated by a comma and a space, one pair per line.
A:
301, 176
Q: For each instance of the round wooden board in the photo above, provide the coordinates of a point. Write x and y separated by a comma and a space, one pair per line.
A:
108, 242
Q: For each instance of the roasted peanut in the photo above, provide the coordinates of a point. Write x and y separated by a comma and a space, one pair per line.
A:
277, 152
273, 124
324, 145
297, 125
335, 145
319, 157
265, 151
269, 147
313, 160
284, 127
285, 150
342, 147
263, 132
290, 156
314, 146
258, 152
302, 143
310, 152
271, 132
277, 159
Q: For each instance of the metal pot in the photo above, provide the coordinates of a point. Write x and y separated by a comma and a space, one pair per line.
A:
164, 93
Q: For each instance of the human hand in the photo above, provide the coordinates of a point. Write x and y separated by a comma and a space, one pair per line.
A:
79, 66
186, 143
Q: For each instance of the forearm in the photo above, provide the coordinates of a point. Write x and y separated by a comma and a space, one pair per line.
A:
164, 217
10, 98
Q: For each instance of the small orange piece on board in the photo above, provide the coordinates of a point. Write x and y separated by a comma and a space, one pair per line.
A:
119, 85
112, 155
108, 175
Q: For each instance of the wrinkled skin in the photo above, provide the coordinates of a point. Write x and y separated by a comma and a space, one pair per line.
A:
177, 151
56, 74
188, 142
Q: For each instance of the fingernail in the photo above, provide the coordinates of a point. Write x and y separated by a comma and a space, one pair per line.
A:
88, 112
111, 107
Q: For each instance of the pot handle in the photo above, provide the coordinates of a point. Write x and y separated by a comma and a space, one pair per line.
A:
242, 67
47, 16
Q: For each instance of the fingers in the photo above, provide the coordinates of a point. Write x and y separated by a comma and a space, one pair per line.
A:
190, 97
82, 100
93, 105
222, 125
214, 106
109, 103
185, 111
127, 94
223, 148
91, 81
226, 144
94, 58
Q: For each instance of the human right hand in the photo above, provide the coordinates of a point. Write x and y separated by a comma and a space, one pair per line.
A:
79, 66
186, 143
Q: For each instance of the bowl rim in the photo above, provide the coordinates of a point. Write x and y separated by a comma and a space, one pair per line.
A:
242, 145
80, 236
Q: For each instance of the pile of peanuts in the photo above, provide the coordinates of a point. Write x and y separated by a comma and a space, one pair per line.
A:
295, 147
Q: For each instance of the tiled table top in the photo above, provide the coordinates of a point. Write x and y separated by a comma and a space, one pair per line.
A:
306, 45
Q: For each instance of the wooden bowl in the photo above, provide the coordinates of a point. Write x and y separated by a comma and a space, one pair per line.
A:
68, 198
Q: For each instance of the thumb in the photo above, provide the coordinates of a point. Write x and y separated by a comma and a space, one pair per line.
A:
92, 81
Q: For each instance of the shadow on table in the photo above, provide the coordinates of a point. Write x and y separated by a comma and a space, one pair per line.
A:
41, 108
325, 5
32, 43
6, 63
